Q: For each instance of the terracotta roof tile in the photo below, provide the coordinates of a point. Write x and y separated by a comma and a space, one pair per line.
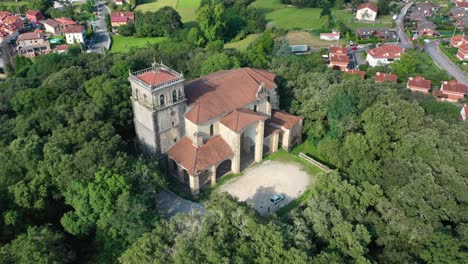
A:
338, 49
454, 86
74, 29
62, 47
284, 119
222, 92
66, 21
270, 130
156, 77
339, 58
31, 36
382, 77
240, 119
50, 22
386, 51
368, 5
195, 159
362, 74
419, 82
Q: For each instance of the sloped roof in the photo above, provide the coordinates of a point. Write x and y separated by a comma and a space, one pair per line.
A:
382, 77
284, 119
386, 51
66, 21
419, 82
338, 50
74, 29
156, 77
50, 22
31, 35
221, 92
339, 58
362, 74
195, 159
368, 5
33, 12
454, 86
240, 119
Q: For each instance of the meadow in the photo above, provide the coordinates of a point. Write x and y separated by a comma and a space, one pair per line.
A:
186, 8
121, 44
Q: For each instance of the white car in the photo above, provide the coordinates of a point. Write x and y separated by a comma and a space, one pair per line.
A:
275, 199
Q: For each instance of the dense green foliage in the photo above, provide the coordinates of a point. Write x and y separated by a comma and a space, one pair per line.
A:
73, 187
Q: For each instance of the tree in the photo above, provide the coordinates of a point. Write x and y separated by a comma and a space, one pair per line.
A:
211, 19
38, 245
405, 66
217, 62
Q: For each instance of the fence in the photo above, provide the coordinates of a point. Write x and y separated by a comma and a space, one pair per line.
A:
313, 161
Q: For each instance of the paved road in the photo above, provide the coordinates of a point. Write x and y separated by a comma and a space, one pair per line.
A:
403, 38
445, 63
101, 39
169, 204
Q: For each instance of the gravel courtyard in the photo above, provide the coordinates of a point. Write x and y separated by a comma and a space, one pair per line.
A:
259, 183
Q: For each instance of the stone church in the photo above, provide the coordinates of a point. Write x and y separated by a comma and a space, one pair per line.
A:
210, 126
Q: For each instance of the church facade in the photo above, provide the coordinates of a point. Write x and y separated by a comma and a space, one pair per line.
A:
210, 126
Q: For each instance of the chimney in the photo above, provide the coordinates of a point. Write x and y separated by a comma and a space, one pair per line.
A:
198, 139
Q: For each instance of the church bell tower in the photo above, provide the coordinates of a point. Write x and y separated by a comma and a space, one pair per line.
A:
159, 104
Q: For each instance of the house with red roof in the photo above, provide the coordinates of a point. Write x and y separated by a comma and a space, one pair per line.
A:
451, 91
462, 4
367, 11
75, 34
464, 112
456, 41
385, 77
122, 18
32, 44
338, 57
361, 74
462, 53
34, 15
383, 55
419, 84
205, 128
61, 48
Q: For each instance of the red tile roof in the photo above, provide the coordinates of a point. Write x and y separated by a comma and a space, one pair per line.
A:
368, 5
11, 19
33, 12
62, 47
74, 29
382, 77
156, 77
66, 21
50, 22
195, 159
337, 49
453, 86
224, 91
361, 74
270, 130
463, 47
31, 36
386, 51
419, 82
336, 58
119, 19
240, 119
129, 15
462, 4
284, 119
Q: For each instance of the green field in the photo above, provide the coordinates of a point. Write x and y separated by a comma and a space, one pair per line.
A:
186, 8
243, 44
309, 18
122, 44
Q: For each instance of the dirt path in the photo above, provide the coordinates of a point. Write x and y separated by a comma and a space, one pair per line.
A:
259, 183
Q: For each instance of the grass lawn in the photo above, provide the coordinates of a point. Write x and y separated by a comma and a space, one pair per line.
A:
122, 44
242, 45
288, 17
186, 8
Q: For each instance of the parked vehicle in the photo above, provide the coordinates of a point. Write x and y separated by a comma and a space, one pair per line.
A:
275, 199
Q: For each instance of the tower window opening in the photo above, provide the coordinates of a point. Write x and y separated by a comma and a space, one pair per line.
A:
211, 130
161, 99
255, 108
174, 96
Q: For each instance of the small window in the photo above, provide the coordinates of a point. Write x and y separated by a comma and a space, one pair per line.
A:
255, 108
211, 130
161, 99
175, 140
174, 96
172, 123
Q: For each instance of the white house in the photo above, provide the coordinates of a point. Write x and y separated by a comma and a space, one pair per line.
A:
75, 34
367, 12
383, 55
330, 36
464, 113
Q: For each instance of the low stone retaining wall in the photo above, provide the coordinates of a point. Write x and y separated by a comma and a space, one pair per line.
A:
315, 162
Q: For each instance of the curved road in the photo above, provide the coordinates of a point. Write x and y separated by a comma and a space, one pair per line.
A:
402, 37
445, 63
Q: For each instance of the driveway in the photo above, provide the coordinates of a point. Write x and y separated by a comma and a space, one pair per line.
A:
259, 183
445, 63
403, 38
169, 204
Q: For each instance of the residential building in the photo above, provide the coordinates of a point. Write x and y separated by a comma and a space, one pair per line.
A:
456, 41
51, 26
462, 53
451, 91
338, 57
32, 44
34, 15
382, 33
212, 125
330, 36
122, 18
458, 13
419, 84
75, 34
361, 74
367, 12
427, 8
61, 48
464, 112
10, 25
384, 77
426, 28
383, 55
463, 5
365, 33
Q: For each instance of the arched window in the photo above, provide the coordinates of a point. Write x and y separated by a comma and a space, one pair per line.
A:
174, 96
255, 108
161, 99
211, 130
